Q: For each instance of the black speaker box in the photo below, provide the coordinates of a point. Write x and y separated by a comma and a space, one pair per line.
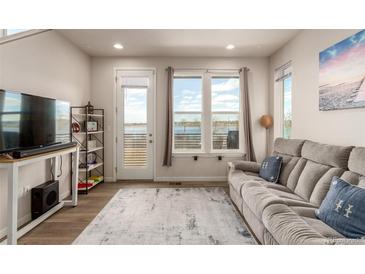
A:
44, 197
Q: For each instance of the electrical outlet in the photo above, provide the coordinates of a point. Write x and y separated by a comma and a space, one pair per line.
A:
26, 189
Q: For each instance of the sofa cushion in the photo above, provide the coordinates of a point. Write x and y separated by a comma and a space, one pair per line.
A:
322, 228
309, 216
287, 227
357, 160
237, 178
351, 177
295, 174
309, 177
256, 196
287, 167
270, 168
277, 187
305, 211
291, 147
323, 185
285, 194
336, 156
344, 209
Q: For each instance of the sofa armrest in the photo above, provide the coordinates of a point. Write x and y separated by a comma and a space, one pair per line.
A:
245, 166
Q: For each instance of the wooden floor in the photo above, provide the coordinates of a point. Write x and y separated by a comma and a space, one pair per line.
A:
64, 226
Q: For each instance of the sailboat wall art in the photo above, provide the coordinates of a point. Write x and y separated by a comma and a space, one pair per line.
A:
342, 74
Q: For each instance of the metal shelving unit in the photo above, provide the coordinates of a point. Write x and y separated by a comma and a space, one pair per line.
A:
89, 171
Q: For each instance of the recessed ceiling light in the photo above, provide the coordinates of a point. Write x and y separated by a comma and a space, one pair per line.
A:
118, 46
230, 46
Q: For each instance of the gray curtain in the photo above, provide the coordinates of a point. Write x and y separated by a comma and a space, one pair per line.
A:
247, 127
167, 160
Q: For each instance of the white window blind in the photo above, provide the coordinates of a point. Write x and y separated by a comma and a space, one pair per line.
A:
137, 82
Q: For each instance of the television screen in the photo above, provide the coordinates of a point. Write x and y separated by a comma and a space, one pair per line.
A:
28, 121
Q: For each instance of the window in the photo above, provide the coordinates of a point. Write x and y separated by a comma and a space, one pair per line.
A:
287, 107
9, 32
225, 113
187, 113
284, 80
207, 113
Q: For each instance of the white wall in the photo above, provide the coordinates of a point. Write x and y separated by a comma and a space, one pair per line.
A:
47, 65
339, 127
102, 89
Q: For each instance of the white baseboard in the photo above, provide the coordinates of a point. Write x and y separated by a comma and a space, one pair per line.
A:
27, 217
191, 179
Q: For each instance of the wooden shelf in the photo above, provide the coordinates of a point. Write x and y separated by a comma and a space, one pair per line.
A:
92, 149
90, 167
90, 187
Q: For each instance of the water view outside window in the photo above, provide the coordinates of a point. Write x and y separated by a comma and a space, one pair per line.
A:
225, 113
287, 107
187, 113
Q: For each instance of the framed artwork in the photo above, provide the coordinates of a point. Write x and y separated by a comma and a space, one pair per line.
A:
342, 74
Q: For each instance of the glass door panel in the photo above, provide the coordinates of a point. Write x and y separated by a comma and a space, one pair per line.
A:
135, 127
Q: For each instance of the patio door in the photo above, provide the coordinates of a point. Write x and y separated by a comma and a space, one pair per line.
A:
135, 117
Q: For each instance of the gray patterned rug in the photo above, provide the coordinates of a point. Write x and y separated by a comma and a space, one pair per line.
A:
167, 216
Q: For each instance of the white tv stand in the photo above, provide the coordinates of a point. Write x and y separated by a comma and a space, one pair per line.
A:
12, 166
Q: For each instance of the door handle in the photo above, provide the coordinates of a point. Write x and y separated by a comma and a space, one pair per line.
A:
150, 134
150, 141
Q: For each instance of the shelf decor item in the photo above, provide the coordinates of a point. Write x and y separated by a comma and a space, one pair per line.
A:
75, 127
92, 126
91, 158
90, 137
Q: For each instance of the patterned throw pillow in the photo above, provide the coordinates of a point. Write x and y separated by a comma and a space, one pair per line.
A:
270, 168
343, 208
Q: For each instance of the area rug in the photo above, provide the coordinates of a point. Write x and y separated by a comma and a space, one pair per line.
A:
170, 216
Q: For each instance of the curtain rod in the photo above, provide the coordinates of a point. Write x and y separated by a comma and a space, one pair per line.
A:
207, 69
284, 66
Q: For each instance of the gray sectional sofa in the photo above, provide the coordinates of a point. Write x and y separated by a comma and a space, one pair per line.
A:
284, 213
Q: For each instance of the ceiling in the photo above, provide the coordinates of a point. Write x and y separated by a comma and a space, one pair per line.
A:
202, 43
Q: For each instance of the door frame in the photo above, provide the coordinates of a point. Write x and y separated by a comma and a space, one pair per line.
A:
115, 113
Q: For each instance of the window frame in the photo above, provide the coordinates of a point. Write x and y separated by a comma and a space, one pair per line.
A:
207, 114
283, 106
189, 74
240, 119
281, 73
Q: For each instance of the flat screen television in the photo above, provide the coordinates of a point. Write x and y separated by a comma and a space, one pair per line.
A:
28, 121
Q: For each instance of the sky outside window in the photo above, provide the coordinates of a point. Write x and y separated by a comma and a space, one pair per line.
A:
187, 94
225, 94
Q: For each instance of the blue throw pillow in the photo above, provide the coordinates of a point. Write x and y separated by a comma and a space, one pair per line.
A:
270, 168
343, 209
